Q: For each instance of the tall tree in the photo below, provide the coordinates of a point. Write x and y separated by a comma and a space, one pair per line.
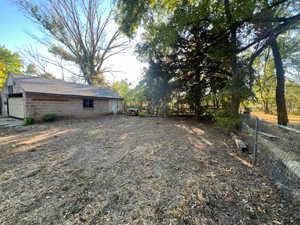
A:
78, 31
282, 116
225, 36
9, 63
286, 17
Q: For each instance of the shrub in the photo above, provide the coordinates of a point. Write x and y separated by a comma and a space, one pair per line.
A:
50, 117
142, 114
28, 121
227, 121
207, 115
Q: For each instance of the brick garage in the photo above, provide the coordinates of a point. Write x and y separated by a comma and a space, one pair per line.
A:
25, 96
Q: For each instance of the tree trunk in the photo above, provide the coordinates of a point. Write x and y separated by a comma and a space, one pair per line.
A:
266, 105
86, 74
236, 84
282, 116
198, 109
236, 73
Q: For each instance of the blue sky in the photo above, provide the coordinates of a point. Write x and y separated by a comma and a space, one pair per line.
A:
13, 25
13, 28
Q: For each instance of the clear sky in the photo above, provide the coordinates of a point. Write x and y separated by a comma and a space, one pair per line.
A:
13, 28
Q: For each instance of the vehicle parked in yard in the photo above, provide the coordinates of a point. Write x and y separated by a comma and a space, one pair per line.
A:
132, 111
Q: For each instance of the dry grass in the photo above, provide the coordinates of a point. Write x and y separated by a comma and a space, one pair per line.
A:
273, 118
132, 170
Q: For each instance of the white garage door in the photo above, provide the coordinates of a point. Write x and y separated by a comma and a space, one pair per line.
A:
16, 107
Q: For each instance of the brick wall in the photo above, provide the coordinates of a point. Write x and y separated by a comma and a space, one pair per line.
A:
38, 105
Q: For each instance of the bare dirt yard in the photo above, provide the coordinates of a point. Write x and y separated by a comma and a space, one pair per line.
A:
131, 170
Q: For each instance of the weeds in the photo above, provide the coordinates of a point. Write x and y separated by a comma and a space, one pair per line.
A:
50, 118
28, 121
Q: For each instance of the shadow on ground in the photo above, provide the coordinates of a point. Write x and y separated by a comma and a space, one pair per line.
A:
131, 170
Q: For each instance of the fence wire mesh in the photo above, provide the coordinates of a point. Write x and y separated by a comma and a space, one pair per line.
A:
286, 140
278, 152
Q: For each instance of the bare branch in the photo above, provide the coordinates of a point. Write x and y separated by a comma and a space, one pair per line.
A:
83, 29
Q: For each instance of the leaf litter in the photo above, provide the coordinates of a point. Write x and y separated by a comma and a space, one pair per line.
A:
132, 170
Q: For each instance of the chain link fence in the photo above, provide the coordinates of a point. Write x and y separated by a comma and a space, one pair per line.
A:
276, 149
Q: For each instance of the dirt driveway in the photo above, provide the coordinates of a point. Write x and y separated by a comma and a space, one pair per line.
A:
130, 170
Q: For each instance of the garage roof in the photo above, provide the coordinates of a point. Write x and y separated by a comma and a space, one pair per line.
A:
32, 84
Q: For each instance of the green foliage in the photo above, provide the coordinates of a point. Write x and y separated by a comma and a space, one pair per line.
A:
156, 83
132, 96
142, 114
31, 70
28, 121
50, 117
46, 76
227, 121
59, 51
9, 63
123, 89
265, 85
196, 49
208, 115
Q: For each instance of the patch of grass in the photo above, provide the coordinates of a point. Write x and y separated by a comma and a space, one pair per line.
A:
142, 114
50, 117
28, 121
227, 121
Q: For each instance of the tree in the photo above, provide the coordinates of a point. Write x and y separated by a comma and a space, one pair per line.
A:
46, 76
123, 89
157, 89
31, 70
80, 32
280, 87
224, 36
9, 63
293, 97
265, 85
287, 20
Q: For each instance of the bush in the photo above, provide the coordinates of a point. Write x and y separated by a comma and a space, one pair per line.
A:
207, 115
142, 114
50, 117
227, 121
28, 121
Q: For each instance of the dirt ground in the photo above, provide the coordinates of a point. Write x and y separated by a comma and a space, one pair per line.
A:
132, 170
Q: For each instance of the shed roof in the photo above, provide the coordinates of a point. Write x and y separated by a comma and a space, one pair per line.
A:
32, 84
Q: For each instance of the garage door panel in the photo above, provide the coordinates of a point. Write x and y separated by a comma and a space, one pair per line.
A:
16, 107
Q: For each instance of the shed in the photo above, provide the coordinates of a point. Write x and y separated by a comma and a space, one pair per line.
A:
28, 96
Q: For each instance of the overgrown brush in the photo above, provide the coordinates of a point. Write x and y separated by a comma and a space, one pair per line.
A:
50, 117
226, 120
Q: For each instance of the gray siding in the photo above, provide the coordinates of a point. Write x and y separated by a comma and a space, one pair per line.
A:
4, 92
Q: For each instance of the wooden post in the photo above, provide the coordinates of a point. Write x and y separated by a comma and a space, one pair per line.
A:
255, 143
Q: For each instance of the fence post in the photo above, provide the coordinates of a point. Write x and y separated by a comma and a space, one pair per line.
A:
255, 143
